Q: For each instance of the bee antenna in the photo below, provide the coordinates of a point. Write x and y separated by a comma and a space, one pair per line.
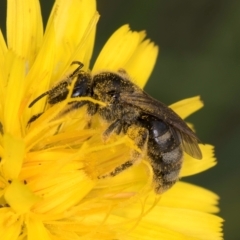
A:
38, 98
76, 71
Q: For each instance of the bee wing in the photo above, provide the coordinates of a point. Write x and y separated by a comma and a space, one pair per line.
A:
190, 145
151, 106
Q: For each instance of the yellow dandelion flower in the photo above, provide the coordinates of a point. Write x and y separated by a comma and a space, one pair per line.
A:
50, 167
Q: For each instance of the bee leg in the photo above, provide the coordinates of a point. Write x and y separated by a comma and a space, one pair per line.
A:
114, 127
1, 129
75, 105
140, 137
34, 118
92, 109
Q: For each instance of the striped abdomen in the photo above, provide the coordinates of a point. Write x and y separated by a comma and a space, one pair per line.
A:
165, 152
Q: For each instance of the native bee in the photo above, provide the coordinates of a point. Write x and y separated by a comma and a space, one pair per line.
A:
129, 110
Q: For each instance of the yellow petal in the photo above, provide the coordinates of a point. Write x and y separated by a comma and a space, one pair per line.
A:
180, 213
61, 191
24, 27
36, 230
39, 77
10, 224
149, 231
20, 197
173, 223
118, 50
13, 95
185, 195
3, 51
129, 183
85, 47
62, 44
12, 159
193, 166
70, 21
141, 64
190, 223
186, 107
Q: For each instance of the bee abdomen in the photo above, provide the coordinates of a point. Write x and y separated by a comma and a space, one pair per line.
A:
165, 177
165, 153
166, 166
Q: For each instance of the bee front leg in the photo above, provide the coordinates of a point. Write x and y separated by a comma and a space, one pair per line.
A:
114, 127
140, 137
34, 118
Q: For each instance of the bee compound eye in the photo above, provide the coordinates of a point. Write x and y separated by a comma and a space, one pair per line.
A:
81, 87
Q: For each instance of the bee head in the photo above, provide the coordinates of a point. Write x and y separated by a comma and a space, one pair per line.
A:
82, 86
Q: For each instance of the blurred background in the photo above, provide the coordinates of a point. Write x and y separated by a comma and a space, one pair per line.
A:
200, 55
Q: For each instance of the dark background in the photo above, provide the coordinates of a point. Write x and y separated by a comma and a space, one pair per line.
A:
200, 55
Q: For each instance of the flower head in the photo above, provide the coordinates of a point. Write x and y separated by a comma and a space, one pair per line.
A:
50, 166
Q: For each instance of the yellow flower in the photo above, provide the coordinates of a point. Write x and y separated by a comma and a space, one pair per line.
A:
49, 169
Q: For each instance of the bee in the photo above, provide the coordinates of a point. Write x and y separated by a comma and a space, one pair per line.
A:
156, 129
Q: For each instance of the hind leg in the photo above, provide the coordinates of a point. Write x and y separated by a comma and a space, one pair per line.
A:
140, 137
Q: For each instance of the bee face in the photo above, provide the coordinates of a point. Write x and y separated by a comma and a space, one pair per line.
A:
82, 86
156, 129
